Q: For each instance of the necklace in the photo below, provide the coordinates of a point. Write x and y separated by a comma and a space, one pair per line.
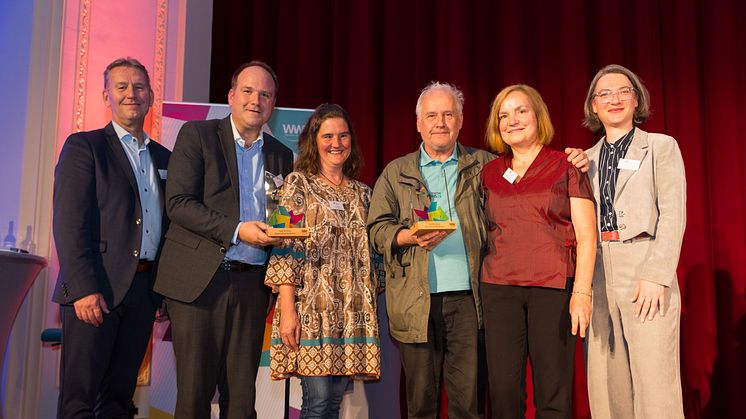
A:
335, 184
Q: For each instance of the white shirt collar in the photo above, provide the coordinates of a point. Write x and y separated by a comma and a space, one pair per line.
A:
121, 133
240, 141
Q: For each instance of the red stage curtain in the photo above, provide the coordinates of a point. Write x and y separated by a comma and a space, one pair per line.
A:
373, 57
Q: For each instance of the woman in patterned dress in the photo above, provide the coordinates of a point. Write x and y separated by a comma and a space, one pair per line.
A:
325, 328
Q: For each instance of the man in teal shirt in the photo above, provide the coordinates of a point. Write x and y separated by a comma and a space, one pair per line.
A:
432, 294
448, 269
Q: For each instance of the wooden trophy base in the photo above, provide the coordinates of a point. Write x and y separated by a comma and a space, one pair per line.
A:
422, 227
293, 232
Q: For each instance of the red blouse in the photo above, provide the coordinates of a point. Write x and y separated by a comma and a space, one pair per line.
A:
531, 241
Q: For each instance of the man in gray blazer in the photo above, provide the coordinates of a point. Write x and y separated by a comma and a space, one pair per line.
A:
214, 257
639, 184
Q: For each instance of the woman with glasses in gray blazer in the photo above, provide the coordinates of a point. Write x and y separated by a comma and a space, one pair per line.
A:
639, 185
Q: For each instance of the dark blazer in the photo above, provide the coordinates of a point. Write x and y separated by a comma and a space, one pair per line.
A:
97, 216
202, 201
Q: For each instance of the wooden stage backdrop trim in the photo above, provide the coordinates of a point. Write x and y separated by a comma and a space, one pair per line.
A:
159, 62
81, 74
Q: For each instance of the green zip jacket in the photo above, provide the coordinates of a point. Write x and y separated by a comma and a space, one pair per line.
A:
394, 196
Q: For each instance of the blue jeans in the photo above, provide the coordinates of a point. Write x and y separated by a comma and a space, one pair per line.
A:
322, 396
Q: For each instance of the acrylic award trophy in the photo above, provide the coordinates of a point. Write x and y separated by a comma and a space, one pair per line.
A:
282, 222
432, 218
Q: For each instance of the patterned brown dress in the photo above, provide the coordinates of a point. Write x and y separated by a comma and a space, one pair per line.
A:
337, 279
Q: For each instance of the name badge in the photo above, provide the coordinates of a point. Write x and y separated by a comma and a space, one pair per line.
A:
337, 205
510, 175
163, 173
278, 180
627, 164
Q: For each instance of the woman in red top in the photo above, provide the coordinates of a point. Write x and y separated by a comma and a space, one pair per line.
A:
539, 263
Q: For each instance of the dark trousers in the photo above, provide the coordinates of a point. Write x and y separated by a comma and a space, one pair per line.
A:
450, 353
99, 365
533, 321
217, 341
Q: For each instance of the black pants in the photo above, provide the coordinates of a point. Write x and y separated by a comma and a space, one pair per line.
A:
218, 342
451, 352
533, 321
99, 365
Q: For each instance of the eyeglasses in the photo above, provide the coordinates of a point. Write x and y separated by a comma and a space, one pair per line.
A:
624, 94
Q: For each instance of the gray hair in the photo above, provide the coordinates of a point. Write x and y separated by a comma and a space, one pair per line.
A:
458, 95
642, 111
126, 62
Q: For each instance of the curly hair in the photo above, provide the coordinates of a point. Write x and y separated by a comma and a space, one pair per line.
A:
308, 160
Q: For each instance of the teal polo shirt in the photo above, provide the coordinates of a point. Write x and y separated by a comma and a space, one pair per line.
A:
448, 268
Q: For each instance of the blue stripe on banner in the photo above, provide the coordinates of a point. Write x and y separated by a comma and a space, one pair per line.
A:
332, 341
288, 251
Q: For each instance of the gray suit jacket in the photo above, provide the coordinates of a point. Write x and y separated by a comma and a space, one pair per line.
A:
650, 200
202, 200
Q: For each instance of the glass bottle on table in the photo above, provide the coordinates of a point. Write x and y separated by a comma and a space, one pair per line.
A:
28, 244
9, 240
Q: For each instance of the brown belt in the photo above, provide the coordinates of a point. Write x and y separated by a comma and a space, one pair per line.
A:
235, 266
144, 265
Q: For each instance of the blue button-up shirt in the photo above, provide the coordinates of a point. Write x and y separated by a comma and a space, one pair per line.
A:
147, 186
448, 268
251, 196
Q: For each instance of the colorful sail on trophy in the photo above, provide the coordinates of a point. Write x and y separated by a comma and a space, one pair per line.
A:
284, 223
281, 221
431, 218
